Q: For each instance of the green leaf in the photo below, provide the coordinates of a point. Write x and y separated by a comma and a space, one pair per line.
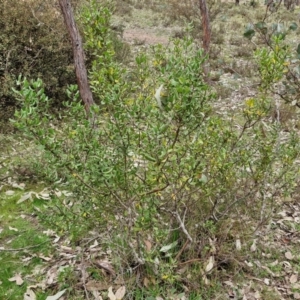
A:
249, 32
298, 49
293, 26
168, 247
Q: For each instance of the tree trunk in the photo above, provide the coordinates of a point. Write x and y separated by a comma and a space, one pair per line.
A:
80, 69
205, 25
206, 32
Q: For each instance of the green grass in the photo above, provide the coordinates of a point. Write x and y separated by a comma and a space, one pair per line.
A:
21, 242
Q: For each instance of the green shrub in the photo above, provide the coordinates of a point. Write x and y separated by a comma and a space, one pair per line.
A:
34, 42
171, 182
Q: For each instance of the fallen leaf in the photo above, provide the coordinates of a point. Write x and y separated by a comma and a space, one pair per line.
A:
94, 245
166, 248
58, 193
148, 245
20, 186
56, 296
146, 282
45, 258
210, 264
29, 295
96, 295
106, 266
238, 244
111, 294
229, 283
253, 246
120, 293
9, 193
205, 279
294, 278
12, 228
17, 278
24, 197
296, 295
28, 258
51, 275
56, 239
274, 263
289, 255
257, 295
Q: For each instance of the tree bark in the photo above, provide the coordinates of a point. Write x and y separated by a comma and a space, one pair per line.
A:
206, 33
205, 25
80, 69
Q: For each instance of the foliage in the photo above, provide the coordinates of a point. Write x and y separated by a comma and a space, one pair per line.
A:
171, 180
33, 42
279, 63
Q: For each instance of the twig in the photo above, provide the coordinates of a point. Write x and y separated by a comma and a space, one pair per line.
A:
181, 250
25, 248
190, 261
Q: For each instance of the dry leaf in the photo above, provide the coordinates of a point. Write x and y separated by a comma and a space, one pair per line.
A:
17, 278
205, 280
289, 255
9, 193
97, 295
146, 282
253, 246
274, 263
296, 295
56, 296
148, 245
229, 283
25, 197
120, 293
106, 266
20, 186
294, 278
111, 294
28, 258
29, 295
257, 295
238, 244
51, 275
12, 228
210, 264
94, 245
58, 193
45, 258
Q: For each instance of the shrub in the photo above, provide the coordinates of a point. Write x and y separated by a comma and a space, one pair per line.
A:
33, 42
174, 183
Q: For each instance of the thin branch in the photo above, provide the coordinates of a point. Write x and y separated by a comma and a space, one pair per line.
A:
24, 248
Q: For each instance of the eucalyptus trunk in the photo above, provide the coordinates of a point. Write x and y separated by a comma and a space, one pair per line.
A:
80, 69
